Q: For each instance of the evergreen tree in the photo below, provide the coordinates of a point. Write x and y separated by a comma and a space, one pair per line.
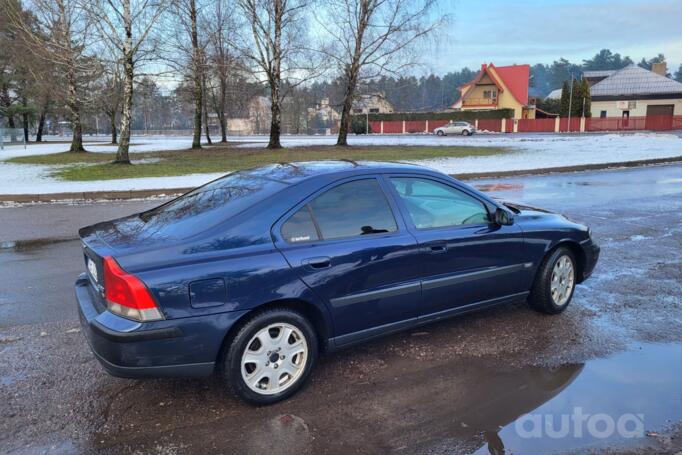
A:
577, 99
565, 97
587, 106
606, 60
648, 64
678, 74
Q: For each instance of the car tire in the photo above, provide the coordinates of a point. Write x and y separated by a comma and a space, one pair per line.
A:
247, 358
555, 282
466, 133
440, 133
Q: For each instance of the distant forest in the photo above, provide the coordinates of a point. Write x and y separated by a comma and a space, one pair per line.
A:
432, 93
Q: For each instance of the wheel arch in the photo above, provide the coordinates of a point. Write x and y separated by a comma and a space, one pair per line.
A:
315, 315
575, 248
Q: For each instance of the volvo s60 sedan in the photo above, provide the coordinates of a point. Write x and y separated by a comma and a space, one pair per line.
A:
256, 273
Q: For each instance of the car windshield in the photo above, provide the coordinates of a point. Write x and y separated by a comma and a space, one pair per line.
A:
208, 205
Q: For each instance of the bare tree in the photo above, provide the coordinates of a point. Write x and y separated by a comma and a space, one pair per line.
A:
124, 26
275, 45
369, 37
184, 47
220, 61
109, 96
61, 40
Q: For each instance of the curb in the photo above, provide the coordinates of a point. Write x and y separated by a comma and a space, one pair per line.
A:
569, 169
141, 194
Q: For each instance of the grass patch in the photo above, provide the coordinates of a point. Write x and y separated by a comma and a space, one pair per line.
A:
99, 166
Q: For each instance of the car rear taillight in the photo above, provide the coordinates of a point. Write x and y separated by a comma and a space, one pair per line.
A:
126, 295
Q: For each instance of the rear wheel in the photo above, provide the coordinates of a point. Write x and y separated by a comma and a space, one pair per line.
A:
555, 282
271, 356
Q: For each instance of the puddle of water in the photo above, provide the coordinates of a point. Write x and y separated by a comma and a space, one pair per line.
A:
611, 402
29, 245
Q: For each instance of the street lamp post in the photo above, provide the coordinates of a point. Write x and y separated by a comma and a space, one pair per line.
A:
570, 105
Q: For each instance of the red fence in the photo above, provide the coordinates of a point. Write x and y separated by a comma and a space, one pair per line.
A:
415, 126
572, 126
433, 124
393, 127
539, 125
490, 124
651, 122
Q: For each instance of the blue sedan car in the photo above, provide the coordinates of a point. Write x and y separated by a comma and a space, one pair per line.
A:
256, 273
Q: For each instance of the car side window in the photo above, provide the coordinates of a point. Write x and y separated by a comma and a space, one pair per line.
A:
350, 209
300, 227
431, 204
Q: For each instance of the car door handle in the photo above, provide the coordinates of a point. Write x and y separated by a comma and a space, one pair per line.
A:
320, 262
437, 249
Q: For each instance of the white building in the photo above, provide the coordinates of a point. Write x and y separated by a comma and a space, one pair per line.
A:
372, 103
634, 92
325, 111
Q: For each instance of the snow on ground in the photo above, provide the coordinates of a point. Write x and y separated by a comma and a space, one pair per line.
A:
529, 151
99, 144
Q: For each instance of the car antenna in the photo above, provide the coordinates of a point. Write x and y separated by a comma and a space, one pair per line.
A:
350, 161
289, 164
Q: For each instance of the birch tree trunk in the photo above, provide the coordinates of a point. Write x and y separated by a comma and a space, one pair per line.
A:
344, 124
221, 108
352, 72
72, 98
204, 109
122, 156
275, 79
196, 76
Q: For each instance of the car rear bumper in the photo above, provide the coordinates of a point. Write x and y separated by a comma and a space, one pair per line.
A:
185, 347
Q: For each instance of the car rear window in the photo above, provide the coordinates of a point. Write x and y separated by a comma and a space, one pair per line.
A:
208, 205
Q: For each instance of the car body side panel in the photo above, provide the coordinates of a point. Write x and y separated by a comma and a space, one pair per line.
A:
253, 277
371, 280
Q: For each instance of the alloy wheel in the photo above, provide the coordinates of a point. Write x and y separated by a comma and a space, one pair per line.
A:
563, 278
274, 359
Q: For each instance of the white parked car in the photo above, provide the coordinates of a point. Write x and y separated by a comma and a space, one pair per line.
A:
463, 128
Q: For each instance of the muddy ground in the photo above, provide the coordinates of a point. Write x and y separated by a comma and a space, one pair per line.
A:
459, 386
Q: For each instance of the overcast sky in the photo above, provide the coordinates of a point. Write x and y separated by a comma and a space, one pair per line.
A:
541, 31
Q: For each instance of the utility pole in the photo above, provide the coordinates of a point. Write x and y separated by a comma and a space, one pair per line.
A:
367, 122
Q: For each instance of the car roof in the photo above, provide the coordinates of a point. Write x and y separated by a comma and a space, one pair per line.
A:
295, 172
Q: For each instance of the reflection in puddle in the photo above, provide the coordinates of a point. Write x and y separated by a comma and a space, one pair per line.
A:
488, 187
609, 402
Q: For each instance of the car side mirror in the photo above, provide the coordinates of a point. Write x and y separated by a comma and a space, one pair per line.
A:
503, 218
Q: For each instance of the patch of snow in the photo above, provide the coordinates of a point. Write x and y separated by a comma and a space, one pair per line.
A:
527, 151
637, 238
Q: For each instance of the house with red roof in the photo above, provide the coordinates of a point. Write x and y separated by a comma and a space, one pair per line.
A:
498, 87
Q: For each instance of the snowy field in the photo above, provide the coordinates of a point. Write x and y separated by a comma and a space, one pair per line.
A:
528, 151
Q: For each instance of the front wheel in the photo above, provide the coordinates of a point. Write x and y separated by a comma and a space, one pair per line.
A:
554, 283
440, 133
466, 133
271, 356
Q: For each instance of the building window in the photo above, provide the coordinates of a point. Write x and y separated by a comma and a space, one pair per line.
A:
357, 111
490, 94
602, 114
374, 110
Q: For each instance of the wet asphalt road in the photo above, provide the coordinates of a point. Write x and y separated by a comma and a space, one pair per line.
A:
462, 385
